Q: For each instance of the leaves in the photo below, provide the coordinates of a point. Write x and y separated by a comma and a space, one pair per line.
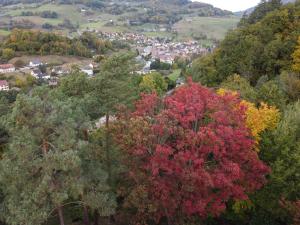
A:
193, 154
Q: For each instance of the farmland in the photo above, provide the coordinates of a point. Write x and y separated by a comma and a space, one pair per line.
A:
81, 18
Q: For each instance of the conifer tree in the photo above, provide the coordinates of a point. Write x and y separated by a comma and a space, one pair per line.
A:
45, 167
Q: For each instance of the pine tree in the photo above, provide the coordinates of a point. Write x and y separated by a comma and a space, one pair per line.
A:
41, 168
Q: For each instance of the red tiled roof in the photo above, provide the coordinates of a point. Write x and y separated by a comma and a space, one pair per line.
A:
3, 83
6, 66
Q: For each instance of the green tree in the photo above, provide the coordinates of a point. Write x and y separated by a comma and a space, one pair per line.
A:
8, 54
153, 82
296, 57
204, 71
280, 149
272, 93
44, 167
291, 84
242, 86
113, 87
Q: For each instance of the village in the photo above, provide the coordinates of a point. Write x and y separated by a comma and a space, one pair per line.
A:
154, 48
149, 50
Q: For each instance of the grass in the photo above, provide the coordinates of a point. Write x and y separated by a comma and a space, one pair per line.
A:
213, 27
4, 32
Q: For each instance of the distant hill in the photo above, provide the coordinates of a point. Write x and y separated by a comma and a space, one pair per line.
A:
288, 1
163, 18
250, 10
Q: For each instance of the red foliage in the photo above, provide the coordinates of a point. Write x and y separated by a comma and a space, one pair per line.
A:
192, 152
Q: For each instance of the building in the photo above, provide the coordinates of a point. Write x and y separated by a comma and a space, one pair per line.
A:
89, 70
4, 85
7, 68
35, 63
39, 75
53, 82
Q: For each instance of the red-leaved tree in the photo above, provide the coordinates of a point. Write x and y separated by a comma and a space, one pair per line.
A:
189, 154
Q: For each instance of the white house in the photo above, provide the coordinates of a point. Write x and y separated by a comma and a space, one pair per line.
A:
4, 85
35, 63
7, 68
89, 70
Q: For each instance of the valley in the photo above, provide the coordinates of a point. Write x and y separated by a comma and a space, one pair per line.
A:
182, 21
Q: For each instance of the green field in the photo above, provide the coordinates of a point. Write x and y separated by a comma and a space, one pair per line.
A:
213, 27
4, 32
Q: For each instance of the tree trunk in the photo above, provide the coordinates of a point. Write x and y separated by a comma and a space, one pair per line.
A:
96, 218
86, 219
60, 215
107, 149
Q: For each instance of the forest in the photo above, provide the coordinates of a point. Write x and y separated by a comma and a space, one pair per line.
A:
31, 42
119, 149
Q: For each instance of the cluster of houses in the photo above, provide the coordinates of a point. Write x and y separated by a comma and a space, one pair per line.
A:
159, 48
34, 68
7, 68
4, 85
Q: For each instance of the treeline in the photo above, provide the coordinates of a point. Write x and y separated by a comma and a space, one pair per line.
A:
12, 2
42, 43
43, 14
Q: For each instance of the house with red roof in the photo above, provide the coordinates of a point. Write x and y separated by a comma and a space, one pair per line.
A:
7, 68
4, 85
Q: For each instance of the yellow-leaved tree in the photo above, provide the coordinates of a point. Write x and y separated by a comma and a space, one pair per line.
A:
296, 58
258, 119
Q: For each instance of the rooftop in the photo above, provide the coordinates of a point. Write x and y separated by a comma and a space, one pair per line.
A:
3, 83
6, 66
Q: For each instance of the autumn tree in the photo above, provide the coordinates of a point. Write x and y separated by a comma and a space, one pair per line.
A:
296, 58
188, 155
258, 119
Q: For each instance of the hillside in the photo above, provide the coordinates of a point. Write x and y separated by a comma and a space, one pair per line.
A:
260, 50
250, 10
154, 18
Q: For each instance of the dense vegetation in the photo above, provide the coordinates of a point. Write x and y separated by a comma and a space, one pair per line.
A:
41, 43
44, 14
256, 49
117, 148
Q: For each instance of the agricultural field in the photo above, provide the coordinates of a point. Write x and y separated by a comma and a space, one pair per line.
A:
212, 27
